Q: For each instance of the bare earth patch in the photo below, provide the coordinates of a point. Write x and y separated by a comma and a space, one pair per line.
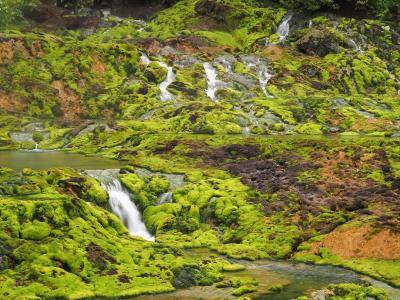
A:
361, 242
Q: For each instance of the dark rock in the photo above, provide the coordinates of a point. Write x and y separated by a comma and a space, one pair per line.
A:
124, 278
206, 7
396, 38
310, 70
97, 256
319, 85
319, 42
184, 278
181, 87
52, 16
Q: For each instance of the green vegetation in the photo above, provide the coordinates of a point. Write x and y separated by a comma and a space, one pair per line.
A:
261, 179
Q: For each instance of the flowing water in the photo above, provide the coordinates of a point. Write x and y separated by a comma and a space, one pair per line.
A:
261, 68
165, 94
283, 29
213, 83
264, 77
163, 86
121, 202
297, 278
144, 59
352, 43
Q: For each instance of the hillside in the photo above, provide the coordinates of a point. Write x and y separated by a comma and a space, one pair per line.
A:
279, 119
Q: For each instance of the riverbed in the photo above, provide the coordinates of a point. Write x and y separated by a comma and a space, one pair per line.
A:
297, 279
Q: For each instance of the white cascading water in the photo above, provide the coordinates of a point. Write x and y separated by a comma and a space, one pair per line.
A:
255, 64
213, 83
264, 77
165, 94
283, 29
121, 204
356, 46
144, 59
246, 130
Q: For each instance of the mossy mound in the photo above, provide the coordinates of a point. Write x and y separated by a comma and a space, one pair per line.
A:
68, 248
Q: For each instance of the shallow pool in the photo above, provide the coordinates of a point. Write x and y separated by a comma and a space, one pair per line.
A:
18, 160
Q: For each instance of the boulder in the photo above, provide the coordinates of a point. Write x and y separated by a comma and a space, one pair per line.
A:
319, 42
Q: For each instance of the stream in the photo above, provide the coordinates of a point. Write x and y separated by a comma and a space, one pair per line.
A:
121, 202
297, 278
104, 170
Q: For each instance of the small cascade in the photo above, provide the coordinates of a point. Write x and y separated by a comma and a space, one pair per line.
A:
106, 13
142, 24
121, 203
226, 61
255, 64
264, 77
213, 83
165, 198
36, 147
283, 29
165, 94
144, 59
246, 130
356, 46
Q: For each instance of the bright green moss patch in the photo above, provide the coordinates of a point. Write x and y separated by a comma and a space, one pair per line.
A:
348, 290
35, 231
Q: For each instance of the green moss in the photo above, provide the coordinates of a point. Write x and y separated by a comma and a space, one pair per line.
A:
354, 291
94, 192
155, 73
276, 288
35, 230
37, 136
243, 285
377, 176
309, 128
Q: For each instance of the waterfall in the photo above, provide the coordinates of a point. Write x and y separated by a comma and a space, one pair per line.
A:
283, 29
36, 147
106, 13
356, 46
264, 77
121, 203
226, 61
163, 86
213, 83
255, 64
144, 59
165, 94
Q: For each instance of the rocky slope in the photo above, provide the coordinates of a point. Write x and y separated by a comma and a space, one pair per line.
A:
234, 96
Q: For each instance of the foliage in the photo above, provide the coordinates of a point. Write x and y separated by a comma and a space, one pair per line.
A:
11, 11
